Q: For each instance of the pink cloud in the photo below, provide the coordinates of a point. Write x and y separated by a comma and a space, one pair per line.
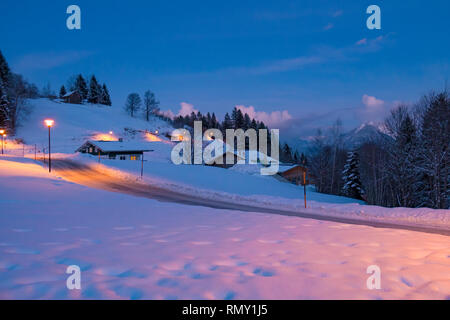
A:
272, 119
371, 102
185, 110
362, 41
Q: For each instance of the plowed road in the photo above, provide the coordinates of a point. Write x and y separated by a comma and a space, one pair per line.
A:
92, 177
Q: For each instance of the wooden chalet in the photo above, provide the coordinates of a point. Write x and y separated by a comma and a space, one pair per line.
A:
72, 97
114, 149
294, 173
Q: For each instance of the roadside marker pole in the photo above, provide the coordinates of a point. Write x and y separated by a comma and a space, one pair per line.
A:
304, 186
142, 165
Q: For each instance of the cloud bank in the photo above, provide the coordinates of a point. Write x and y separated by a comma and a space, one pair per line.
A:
272, 120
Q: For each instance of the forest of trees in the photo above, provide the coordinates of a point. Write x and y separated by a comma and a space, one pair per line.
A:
14, 90
95, 92
407, 167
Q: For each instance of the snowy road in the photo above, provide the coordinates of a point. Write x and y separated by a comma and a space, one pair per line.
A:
86, 175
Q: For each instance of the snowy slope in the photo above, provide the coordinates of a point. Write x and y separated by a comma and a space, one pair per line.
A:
75, 124
169, 251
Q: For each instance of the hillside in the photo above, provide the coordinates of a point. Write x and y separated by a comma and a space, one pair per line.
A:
76, 123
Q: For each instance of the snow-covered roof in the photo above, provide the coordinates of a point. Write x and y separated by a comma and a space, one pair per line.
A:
288, 166
68, 94
248, 154
117, 146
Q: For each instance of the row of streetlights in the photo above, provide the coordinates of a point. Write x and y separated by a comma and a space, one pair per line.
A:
49, 123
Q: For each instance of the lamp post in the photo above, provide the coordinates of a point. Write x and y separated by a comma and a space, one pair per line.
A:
49, 123
2, 132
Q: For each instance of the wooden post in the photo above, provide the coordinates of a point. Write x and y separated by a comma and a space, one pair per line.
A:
98, 156
304, 185
142, 165
35, 152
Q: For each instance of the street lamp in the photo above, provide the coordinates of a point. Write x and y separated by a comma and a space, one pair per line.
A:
2, 133
49, 123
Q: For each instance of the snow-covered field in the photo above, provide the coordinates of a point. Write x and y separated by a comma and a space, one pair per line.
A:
74, 124
137, 248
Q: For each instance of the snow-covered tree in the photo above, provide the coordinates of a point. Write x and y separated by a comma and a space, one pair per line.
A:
133, 103
5, 77
433, 165
105, 99
95, 91
62, 92
81, 87
227, 123
402, 162
350, 175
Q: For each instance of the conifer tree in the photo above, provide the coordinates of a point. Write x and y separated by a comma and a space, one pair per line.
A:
227, 122
105, 99
352, 182
81, 87
62, 91
5, 76
95, 91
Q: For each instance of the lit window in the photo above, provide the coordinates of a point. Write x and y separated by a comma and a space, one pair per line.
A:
133, 158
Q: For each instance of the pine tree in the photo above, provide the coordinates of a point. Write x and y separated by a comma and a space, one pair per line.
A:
214, 123
95, 91
352, 182
433, 165
402, 175
81, 87
286, 153
5, 75
296, 157
247, 122
105, 99
227, 123
62, 92
238, 120
303, 160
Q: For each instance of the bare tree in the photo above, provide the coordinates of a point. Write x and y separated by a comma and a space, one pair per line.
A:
151, 104
133, 103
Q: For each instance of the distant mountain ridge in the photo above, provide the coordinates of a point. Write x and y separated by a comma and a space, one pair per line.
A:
367, 131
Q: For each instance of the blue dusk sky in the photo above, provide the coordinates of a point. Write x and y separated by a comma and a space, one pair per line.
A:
294, 64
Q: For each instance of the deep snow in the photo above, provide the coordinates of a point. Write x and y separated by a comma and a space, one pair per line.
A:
136, 248
133, 248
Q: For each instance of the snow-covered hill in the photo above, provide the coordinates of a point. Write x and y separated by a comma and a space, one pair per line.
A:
368, 131
76, 123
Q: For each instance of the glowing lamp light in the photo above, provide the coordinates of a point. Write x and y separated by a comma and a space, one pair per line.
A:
111, 132
2, 131
49, 122
156, 131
